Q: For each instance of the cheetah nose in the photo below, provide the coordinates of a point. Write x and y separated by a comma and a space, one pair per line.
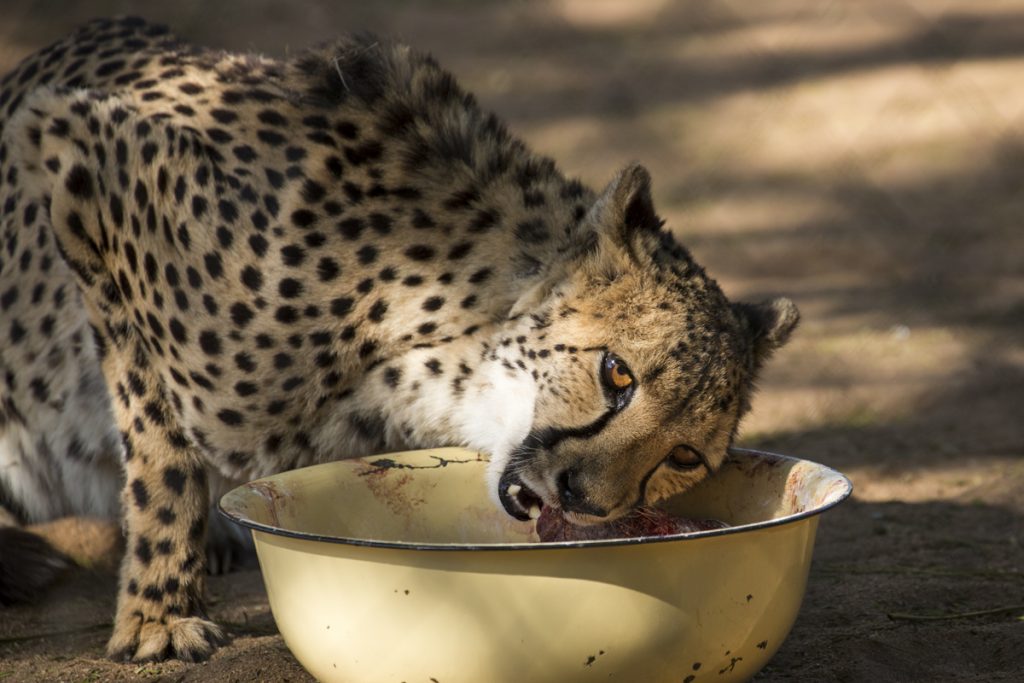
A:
572, 496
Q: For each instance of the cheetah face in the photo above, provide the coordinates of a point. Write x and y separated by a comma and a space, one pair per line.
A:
647, 371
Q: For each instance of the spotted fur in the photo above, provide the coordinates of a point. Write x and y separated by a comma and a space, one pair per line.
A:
219, 265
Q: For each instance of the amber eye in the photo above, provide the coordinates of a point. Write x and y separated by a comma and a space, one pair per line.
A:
685, 457
615, 373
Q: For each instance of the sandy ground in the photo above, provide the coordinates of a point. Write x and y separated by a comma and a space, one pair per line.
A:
865, 159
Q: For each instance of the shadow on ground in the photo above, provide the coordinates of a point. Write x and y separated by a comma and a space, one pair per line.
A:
866, 159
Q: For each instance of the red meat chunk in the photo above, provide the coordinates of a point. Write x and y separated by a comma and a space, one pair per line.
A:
641, 522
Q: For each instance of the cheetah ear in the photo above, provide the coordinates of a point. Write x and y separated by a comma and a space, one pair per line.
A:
769, 324
625, 206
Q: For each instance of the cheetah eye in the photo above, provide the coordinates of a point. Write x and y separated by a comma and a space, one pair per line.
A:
615, 373
684, 457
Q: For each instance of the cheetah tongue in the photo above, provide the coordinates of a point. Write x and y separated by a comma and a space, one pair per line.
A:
518, 499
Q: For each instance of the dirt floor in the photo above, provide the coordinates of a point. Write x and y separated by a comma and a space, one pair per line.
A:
865, 159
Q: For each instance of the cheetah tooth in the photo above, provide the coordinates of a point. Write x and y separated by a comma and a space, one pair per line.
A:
534, 512
514, 489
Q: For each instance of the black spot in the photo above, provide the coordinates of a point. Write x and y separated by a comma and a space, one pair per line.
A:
347, 130
483, 221
351, 228
140, 493
334, 166
367, 254
230, 417
368, 426
433, 303
286, 314
178, 331
244, 153
271, 118
420, 252
480, 276
421, 220
314, 240
341, 306
303, 218
392, 376
377, 311
79, 182
325, 359
327, 269
353, 192
293, 255
177, 439
17, 332
174, 479
199, 206
462, 199
8, 297
292, 383
367, 348
214, 264
459, 251
142, 550
252, 278
380, 223
532, 231
241, 314
210, 343
312, 191
245, 388
290, 288
223, 115
270, 137
245, 362
258, 244
224, 237
166, 516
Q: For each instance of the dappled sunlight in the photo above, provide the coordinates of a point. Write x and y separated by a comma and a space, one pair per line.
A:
856, 378
967, 480
753, 211
864, 159
609, 13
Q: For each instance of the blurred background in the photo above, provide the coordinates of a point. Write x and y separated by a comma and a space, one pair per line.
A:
865, 159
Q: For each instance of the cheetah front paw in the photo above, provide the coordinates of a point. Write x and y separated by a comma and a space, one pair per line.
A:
190, 639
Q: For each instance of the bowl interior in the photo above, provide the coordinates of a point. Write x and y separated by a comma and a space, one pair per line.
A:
438, 499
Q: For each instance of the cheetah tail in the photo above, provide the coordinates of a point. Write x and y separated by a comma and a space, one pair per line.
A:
28, 563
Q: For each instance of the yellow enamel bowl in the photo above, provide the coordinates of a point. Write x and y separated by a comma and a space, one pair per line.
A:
400, 568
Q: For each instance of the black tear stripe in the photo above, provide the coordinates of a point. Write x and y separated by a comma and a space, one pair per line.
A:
549, 437
642, 494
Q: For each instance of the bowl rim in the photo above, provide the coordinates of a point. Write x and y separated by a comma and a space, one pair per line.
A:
555, 545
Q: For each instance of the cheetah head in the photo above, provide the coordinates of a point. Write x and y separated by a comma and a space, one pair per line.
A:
648, 371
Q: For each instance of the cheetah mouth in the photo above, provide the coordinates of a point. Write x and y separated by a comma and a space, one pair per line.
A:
518, 499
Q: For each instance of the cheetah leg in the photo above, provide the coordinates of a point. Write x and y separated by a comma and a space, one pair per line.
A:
160, 610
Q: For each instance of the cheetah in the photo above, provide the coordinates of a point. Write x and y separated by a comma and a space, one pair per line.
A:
215, 267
